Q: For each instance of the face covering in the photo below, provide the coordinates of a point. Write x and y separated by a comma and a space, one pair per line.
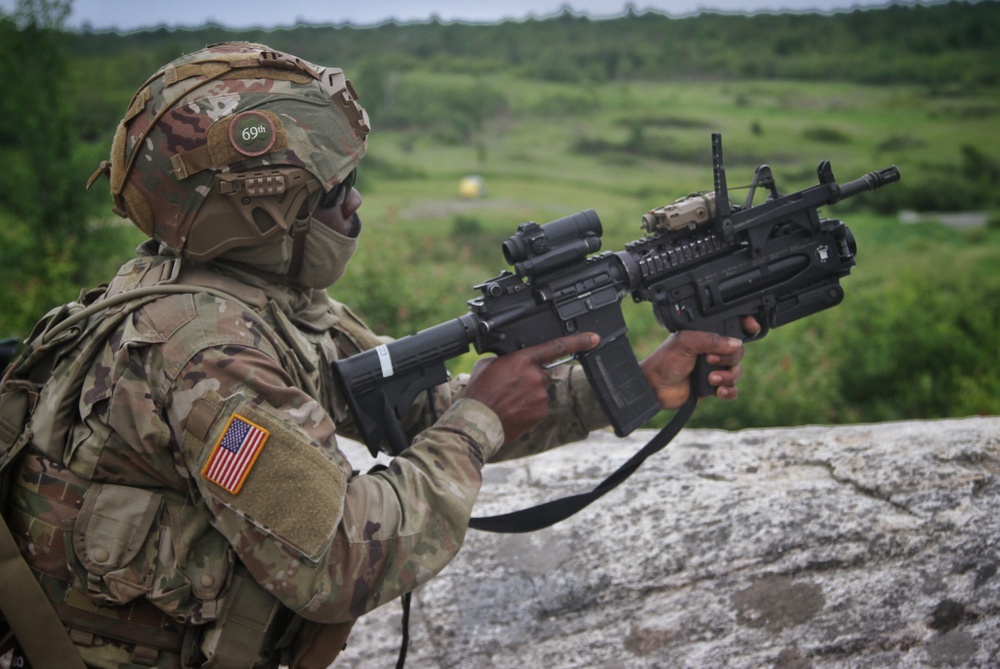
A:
325, 256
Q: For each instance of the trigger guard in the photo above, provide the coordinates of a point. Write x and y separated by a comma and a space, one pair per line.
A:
764, 329
734, 328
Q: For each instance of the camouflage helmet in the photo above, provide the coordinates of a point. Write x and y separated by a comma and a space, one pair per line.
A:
235, 123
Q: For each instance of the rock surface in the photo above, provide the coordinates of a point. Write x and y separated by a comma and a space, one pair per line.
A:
851, 546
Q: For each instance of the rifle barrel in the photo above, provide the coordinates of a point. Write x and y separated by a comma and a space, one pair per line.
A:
870, 181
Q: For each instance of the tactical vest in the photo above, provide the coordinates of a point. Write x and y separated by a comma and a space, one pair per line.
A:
136, 573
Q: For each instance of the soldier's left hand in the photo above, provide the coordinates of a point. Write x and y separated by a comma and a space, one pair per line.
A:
668, 368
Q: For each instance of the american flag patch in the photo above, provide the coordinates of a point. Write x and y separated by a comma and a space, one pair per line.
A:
234, 454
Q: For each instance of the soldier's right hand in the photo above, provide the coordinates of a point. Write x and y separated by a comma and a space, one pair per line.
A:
515, 386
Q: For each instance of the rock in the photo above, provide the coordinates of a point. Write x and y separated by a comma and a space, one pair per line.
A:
850, 546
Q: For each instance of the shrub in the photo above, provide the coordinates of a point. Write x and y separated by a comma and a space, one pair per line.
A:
827, 135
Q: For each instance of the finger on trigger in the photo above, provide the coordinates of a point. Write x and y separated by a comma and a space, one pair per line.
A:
562, 347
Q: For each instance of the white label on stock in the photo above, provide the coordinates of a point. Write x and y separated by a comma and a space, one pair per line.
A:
384, 360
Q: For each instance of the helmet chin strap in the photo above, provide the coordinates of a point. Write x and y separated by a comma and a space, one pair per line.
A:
298, 234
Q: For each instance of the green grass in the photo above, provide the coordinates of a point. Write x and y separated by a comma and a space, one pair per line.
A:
527, 160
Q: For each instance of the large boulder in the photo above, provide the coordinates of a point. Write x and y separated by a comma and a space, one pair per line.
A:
850, 546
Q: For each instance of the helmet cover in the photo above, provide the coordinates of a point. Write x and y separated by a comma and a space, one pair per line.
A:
228, 109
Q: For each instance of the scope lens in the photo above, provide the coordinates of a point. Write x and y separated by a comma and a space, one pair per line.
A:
514, 250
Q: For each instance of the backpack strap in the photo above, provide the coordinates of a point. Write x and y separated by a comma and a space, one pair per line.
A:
34, 622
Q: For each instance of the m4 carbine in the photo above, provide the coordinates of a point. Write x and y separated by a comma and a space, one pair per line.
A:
704, 264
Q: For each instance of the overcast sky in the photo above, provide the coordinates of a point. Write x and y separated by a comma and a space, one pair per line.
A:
125, 15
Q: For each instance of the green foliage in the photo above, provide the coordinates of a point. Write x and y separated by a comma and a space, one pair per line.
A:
969, 185
47, 243
826, 134
951, 46
454, 111
466, 226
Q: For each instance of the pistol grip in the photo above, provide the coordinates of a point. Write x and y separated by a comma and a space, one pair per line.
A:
620, 385
699, 377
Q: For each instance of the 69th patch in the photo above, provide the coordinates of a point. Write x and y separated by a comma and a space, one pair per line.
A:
235, 453
252, 133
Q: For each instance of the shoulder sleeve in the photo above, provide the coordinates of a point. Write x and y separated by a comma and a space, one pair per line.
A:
328, 544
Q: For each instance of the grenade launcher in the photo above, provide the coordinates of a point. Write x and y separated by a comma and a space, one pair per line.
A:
704, 265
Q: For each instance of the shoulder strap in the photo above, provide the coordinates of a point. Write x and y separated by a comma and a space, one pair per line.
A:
147, 291
29, 613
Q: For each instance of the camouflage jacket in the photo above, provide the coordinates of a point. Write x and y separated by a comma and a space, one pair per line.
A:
191, 383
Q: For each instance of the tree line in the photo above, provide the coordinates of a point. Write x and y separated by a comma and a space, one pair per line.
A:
952, 46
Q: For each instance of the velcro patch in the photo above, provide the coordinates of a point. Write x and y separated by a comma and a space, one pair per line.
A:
252, 133
235, 453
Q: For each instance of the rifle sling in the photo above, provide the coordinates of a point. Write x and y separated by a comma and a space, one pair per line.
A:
548, 513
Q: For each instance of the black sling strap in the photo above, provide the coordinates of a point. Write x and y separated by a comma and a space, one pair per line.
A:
548, 513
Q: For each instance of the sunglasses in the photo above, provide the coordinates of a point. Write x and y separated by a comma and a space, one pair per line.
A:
338, 194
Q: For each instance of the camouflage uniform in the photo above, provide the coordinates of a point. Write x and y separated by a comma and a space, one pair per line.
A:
182, 498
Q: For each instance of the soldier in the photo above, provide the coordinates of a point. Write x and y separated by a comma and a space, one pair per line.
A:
182, 499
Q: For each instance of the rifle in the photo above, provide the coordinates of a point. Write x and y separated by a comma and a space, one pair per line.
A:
704, 264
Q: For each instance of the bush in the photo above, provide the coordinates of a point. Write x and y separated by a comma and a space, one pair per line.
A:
453, 112
826, 134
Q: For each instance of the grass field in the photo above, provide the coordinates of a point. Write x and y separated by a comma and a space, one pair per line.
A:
527, 154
